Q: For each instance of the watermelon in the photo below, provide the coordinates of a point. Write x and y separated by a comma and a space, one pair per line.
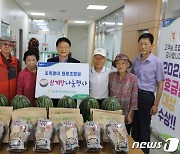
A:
3, 100
66, 102
44, 102
20, 101
111, 103
85, 105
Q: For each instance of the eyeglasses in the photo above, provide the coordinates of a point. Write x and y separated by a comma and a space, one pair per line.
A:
7, 44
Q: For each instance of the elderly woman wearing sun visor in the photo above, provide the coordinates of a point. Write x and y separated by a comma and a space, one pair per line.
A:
123, 85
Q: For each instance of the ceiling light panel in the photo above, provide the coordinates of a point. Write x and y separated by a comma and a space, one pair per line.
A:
80, 22
37, 14
96, 7
38, 21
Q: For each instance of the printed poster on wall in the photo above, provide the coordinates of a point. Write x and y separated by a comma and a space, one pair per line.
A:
58, 79
167, 120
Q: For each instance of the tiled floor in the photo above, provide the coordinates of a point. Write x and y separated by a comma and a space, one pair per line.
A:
156, 151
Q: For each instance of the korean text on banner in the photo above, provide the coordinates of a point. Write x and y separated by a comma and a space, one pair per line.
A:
58, 79
167, 120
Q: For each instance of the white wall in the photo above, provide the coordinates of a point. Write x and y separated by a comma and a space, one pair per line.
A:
12, 14
78, 37
173, 9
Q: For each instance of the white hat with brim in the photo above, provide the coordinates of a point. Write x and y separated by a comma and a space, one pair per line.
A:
100, 51
7, 38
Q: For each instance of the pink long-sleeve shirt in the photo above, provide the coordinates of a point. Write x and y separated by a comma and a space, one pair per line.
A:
26, 84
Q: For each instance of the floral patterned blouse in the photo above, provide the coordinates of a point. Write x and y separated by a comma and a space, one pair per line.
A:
125, 90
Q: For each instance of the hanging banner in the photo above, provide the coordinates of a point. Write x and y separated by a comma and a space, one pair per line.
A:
167, 120
58, 79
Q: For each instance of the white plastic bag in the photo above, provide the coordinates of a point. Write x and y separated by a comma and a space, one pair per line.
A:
20, 131
43, 134
93, 136
2, 131
67, 132
117, 135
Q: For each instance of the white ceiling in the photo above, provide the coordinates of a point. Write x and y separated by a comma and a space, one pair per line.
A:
69, 9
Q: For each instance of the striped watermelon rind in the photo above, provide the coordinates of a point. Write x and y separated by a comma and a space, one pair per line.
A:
3, 100
85, 105
44, 102
66, 102
20, 101
111, 104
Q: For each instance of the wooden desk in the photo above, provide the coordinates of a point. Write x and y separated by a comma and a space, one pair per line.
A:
107, 149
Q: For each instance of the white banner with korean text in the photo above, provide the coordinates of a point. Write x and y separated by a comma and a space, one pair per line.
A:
58, 79
167, 120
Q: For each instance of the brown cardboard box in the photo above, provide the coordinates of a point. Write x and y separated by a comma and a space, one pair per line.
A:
31, 115
107, 111
63, 111
6, 110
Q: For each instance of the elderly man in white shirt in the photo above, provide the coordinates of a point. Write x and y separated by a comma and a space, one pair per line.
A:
99, 76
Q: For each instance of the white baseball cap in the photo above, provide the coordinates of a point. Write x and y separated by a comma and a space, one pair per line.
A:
100, 51
7, 38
